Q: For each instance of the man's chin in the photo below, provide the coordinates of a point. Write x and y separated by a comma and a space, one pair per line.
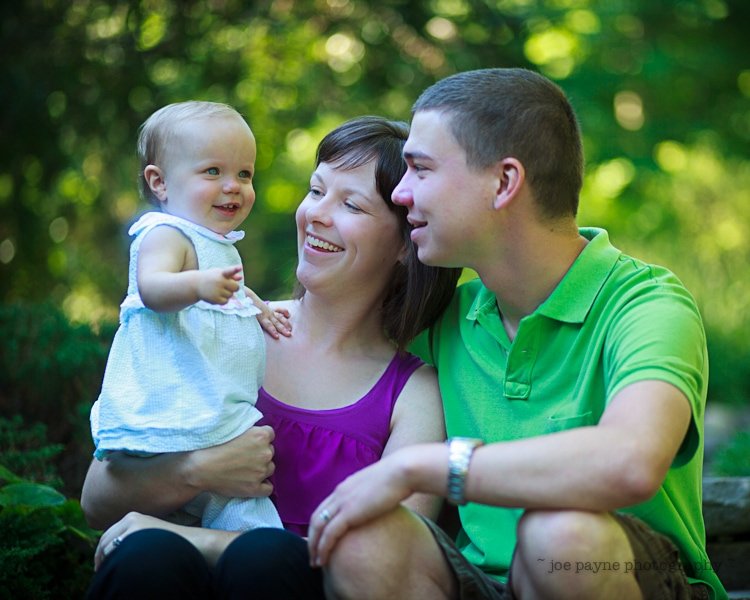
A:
431, 259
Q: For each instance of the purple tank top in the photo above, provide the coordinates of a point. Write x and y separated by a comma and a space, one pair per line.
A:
317, 449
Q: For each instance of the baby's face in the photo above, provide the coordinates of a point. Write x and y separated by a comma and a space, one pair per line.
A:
208, 173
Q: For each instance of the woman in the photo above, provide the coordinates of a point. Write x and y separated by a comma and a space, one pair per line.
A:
339, 393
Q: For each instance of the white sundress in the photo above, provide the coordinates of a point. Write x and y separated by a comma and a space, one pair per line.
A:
185, 380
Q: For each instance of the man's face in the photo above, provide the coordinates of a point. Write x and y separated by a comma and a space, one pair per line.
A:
448, 202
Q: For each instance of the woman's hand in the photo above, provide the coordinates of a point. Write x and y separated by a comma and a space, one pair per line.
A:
130, 523
238, 468
211, 543
161, 484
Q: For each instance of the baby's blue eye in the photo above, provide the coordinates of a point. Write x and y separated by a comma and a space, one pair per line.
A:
212, 171
246, 175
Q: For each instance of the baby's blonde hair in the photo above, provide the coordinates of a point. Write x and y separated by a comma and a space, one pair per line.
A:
159, 129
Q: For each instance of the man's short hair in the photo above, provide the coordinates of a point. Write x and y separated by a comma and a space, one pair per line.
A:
499, 113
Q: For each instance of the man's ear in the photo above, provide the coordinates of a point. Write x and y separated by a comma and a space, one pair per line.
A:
156, 182
510, 176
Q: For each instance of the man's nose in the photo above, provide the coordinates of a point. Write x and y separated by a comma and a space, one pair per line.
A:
401, 194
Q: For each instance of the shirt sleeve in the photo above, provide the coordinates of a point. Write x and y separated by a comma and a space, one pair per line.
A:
659, 335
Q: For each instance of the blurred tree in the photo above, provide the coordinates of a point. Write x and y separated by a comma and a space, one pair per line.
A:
662, 90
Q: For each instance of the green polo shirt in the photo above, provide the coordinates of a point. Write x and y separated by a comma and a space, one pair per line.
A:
611, 321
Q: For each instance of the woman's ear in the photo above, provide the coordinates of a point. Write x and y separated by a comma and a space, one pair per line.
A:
156, 182
510, 176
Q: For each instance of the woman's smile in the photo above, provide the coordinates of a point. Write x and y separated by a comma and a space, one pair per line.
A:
321, 244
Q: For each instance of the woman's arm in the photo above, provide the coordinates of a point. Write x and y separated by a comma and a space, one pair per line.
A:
418, 418
163, 483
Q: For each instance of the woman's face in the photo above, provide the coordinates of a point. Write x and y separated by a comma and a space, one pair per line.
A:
348, 238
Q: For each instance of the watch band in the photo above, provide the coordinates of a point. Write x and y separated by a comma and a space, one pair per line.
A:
460, 450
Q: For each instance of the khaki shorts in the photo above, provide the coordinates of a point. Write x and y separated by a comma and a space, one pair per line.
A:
656, 560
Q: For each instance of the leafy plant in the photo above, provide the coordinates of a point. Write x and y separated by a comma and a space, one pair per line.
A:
50, 373
22, 451
46, 547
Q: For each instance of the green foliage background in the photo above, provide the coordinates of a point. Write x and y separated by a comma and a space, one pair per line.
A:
46, 547
662, 89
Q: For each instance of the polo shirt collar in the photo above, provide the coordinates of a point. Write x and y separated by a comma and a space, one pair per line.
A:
573, 297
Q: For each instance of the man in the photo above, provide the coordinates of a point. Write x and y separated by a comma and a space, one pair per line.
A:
578, 375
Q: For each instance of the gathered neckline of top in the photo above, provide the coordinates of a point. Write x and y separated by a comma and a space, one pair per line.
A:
311, 411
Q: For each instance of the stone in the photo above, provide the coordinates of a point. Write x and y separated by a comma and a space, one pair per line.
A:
731, 561
726, 506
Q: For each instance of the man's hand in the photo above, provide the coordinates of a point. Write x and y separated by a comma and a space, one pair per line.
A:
361, 497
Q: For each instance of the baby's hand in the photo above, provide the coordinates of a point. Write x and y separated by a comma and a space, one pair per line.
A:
217, 286
274, 321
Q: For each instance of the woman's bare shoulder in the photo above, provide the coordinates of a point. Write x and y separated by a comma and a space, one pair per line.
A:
289, 304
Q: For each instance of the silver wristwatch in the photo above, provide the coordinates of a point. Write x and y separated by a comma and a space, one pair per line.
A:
460, 450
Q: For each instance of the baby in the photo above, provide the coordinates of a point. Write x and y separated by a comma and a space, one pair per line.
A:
189, 355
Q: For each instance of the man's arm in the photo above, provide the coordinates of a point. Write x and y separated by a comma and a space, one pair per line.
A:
163, 483
619, 462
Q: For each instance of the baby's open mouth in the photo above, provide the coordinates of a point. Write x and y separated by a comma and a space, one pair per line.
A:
228, 209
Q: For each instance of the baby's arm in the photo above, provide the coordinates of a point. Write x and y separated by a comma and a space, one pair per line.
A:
168, 275
274, 320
